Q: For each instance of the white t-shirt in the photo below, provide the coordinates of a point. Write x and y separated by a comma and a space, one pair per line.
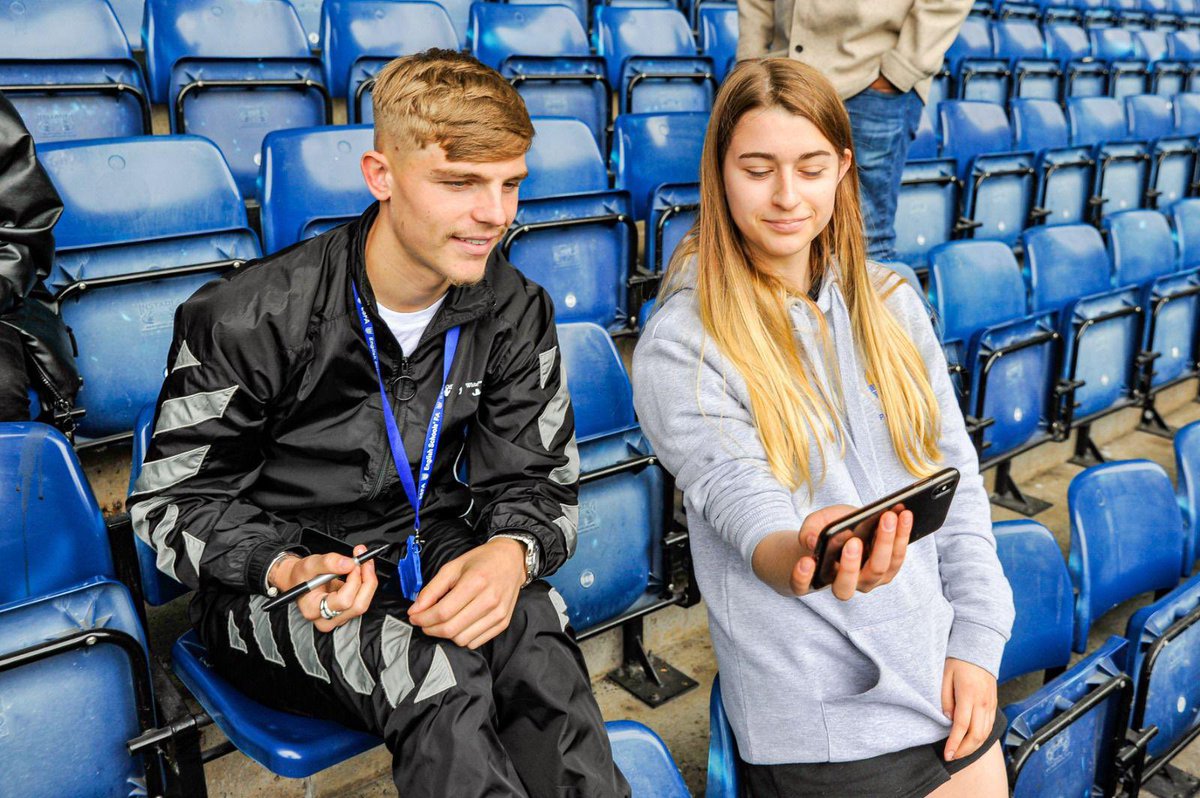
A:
408, 327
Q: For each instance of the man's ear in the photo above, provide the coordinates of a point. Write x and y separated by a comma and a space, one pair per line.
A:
846, 161
378, 175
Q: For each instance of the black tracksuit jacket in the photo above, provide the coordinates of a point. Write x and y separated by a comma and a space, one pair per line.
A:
270, 420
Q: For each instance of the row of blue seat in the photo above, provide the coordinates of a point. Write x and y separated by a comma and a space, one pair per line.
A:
976, 174
65, 621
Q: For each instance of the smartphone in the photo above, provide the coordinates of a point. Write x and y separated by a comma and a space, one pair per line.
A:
316, 542
928, 500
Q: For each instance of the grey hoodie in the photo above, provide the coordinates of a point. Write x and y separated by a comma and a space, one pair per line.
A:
815, 679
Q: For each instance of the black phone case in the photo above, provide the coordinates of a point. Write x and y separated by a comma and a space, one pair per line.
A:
316, 542
928, 500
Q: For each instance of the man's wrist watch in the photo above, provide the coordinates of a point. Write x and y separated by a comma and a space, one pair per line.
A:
532, 552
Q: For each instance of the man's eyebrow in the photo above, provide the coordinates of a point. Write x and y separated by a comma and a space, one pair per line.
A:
454, 174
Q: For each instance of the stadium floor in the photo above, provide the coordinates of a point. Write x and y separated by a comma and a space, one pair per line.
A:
677, 635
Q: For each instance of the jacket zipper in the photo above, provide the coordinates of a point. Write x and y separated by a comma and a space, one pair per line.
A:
392, 400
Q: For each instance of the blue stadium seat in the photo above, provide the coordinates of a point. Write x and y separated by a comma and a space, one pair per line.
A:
998, 183
582, 248
652, 60
1185, 224
1006, 356
564, 159
621, 515
1168, 77
924, 144
673, 209
645, 761
1020, 42
1046, 757
543, 50
48, 515
1127, 72
1066, 175
1123, 165
979, 74
80, 693
1143, 254
311, 181
129, 14
719, 35
1126, 537
1184, 46
1187, 114
724, 762
580, 7
1187, 489
235, 75
650, 150
67, 68
361, 36
926, 209
1069, 273
1041, 587
132, 245
1164, 661
1067, 43
1173, 157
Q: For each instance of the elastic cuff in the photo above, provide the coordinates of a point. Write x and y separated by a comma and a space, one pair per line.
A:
261, 557
977, 644
899, 72
748, 530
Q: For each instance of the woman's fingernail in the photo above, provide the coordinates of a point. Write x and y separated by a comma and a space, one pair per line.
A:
950, 756
806, 566
889, 523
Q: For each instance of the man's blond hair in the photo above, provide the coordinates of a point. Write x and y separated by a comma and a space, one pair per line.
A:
449, 98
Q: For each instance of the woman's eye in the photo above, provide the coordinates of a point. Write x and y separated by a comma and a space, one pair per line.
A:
757, 174
817, 173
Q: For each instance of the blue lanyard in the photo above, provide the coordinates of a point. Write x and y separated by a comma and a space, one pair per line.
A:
414, 491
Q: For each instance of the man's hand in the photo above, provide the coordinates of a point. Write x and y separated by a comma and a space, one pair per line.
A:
853, 575
969, 700
350, 595
471, 598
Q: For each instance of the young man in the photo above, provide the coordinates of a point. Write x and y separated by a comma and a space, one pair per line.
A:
272, 421
881, 57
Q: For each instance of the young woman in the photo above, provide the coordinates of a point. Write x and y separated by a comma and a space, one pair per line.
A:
783, 379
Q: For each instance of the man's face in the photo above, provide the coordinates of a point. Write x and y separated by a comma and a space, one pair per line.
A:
447, 216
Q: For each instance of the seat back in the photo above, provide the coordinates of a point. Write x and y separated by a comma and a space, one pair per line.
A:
501, 30
719, 35
1168, 648
1183, 45
621, 517
52, 535
1150, 116
974, 285
1126, 537
67, 716
1078, 759
652, 60
80, 42
926, 209
309, 12
924, 143
121, 218
360, 36
129, 14
1019, 40
1185, 222
1063, 263
1038, 125
980, 74
1041, 587
970, 128
1140, 245
1096, 120
581, 248
1187, 114
652, 149
1187, 490
564, 159
724, 778
645, 761
311, 181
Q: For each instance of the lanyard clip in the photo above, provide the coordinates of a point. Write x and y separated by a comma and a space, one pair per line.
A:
409, 569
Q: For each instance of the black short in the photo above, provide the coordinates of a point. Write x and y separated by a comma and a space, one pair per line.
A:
910, 773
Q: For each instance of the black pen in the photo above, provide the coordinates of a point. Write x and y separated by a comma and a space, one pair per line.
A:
324, 579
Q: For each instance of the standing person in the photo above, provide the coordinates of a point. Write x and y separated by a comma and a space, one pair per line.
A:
325, 388
881, 57
782, 378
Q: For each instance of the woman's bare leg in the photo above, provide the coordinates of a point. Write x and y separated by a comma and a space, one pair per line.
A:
986, 777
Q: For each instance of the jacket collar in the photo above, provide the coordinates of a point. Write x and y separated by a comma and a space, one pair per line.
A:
463, 303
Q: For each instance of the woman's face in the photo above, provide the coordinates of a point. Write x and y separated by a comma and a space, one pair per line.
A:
781, 175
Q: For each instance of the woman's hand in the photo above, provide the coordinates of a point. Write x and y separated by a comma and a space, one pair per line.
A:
969, 700
854, 575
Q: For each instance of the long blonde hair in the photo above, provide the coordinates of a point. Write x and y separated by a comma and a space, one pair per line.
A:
745, 309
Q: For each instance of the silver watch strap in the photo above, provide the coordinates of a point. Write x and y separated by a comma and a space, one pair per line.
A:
533, 552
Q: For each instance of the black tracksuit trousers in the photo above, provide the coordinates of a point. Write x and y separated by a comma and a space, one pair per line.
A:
515, 717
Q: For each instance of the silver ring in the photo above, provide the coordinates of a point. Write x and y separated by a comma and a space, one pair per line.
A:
327, 613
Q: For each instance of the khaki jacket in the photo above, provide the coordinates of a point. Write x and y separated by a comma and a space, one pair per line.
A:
855, 41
